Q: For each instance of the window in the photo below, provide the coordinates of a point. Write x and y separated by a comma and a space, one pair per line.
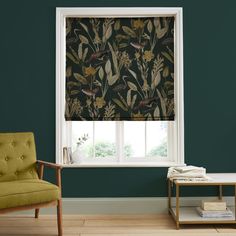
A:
120, 143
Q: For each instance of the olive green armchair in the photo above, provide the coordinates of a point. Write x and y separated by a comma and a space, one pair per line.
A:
21, 184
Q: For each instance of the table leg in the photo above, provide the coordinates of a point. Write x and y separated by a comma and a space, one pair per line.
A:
169, 196
177, 206
220, 192
235, 202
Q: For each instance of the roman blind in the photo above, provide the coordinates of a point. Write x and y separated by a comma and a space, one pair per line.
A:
119, 68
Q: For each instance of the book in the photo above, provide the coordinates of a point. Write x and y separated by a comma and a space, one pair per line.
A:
214, 214
69, 155
216, 205
65, 156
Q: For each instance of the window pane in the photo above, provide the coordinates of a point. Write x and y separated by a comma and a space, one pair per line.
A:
82, 139
134, 139
156, 138
105, 139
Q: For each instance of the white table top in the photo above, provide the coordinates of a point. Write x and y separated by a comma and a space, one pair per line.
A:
216, 178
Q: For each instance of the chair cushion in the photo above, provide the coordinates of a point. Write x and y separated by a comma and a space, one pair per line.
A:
17, 156
27, 192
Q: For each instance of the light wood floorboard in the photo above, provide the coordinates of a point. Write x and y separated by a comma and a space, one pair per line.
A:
104, 225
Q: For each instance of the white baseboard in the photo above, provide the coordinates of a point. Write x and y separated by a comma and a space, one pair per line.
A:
118, 206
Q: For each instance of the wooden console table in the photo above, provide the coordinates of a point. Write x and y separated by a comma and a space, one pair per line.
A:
189, 215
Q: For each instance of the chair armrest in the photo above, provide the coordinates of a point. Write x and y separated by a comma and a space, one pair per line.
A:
49, 164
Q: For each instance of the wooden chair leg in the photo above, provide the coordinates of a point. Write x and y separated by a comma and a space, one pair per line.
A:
59, 217
36, 213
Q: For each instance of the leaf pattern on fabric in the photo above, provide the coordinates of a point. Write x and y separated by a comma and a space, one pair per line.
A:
120, 68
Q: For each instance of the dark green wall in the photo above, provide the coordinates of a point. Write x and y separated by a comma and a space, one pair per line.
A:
27, 90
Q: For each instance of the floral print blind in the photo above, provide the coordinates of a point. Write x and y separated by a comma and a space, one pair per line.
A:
120, 68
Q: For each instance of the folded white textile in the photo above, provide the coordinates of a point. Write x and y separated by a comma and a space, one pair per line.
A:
182, 169
187, 172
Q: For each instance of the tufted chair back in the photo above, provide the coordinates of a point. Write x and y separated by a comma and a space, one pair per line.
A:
17, 156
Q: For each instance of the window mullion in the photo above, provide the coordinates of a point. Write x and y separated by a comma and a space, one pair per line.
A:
145, 139
119, 140
171, 145
93, 139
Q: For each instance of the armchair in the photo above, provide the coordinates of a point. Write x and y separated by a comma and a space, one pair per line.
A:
21, 177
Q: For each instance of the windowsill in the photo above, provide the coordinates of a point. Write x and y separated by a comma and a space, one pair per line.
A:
117, 165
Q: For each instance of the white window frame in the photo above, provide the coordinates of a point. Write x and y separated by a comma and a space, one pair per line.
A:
175, 129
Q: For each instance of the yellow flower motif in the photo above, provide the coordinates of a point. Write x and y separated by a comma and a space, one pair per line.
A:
145, 85
125, 60
138, 116
137, 55
148, 56
138, 24
89, 71
100, 102
88, 101
97, 39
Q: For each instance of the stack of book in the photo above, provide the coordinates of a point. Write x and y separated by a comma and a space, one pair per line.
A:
214, 209
67, 155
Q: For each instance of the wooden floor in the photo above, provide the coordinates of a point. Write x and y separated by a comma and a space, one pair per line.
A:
150, 225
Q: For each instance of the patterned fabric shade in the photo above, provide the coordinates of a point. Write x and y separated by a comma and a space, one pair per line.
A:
120, 68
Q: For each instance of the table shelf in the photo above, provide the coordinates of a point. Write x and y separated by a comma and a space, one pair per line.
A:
189, 215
